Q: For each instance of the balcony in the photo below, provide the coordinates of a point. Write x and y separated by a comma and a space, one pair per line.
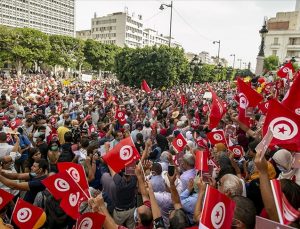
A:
275, 45
293, 46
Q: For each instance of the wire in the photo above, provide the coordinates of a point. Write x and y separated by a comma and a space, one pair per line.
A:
153, 16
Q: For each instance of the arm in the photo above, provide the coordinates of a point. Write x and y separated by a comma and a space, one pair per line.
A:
15, 176
265, 187
23, 186
186, 193
154, 206
91, 168
141, 183
198, 206
174, 194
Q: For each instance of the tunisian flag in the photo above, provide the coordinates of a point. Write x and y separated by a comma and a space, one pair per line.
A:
77, 172
286, 212
283, 72
183, 100
15, 124
5, 198
120, 115
124, 153
217, 110
145, 86
90, 220
264, 107
217, 137
179, 143
26, 215
218, 210
201, 162
285, 126
237, 151
291, 99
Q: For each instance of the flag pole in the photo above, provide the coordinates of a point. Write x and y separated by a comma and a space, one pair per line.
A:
13, 211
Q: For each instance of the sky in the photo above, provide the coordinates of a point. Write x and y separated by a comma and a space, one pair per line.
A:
196, 24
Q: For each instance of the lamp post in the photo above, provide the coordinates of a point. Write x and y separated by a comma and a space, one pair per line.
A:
245, 64
162, 8
240, 60
218, 42
233, 60
261, 54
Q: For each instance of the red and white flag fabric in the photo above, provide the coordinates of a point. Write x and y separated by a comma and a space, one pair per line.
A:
237, 151
263, 107
124, 153
283, 72
217, 110
217, 137
264, 144
90, 220
105, 95
201, 162
195, 122
183, 100
15, 124
145, 87
285, 126
266, 223
120, 115
5, 198
218, 210
26, 215
179, 143
291, 99
286, 213
76, 171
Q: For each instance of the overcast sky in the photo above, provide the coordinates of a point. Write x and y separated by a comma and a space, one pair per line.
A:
196, 24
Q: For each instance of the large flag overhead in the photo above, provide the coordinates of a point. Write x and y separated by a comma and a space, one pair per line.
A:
145, 86
26, 215
124, 153
292, 97
217, 110
283, 72
285, 126
5, 198
218, 210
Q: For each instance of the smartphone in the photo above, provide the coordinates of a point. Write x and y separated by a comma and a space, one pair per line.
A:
171, 170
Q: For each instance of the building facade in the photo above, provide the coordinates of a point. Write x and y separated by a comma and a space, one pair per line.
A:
123, 29
283, 38
48, 16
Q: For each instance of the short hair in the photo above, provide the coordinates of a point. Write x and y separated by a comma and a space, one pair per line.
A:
43, 164
3, 136
179, 220
41, 128
189, 159
68, 136
156, 167
139, 136
84, 142
291, 191
232, 184
252, 145
244, 211
146, 218
67, 122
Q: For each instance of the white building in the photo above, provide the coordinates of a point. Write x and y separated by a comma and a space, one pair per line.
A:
283, 38
123, 29
48, 16
204, 57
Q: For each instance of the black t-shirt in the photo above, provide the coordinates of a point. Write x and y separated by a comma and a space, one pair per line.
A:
35, 186
43, 148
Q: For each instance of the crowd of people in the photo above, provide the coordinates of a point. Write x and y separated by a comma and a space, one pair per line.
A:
44, 122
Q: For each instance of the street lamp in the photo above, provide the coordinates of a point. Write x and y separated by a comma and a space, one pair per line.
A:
233, 60
263, 32
245, 64
218, 42
162, 8
240, 60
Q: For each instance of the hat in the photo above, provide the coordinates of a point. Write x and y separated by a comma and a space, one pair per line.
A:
175, 114
183, 118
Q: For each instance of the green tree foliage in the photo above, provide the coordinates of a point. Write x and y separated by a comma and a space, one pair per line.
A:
159, 66
271, 63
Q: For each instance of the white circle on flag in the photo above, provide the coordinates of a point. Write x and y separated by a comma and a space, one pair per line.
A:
195, 122
218, 215
126, 152
120, 115
297, 111
283, 128
24, 214
243, 101
217, 137
13, 123
86, 223
73, 199
1, 200
285, 69
61, 185
74, 174
267, 105
179, 142
237, 151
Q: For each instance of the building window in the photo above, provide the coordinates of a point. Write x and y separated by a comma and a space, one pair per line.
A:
294, 41
274, 52
275, 41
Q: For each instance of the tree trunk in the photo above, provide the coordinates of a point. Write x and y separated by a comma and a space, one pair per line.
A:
19, 68
79, 70
55, 69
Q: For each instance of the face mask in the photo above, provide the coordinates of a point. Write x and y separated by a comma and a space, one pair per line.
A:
54, 148
283, 170
135, 216
20, 116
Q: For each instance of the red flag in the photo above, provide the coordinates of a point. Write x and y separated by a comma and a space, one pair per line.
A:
105, 93
71, 202
90, 220
218, 210
26, 215
283, 72
285, 126
179, 143
291, 99
15, 124
201, 162
237, 151
266, 223
145, 86
5, 198
286, 213
77, 172
120, 115
216, 137
183, 100
122, 154
217, 110
195, 122
264, 107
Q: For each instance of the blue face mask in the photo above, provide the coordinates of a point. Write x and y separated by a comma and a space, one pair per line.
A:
283, 170
136, 216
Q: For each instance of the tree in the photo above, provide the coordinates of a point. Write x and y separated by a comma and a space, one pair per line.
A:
23, 45
271, 63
